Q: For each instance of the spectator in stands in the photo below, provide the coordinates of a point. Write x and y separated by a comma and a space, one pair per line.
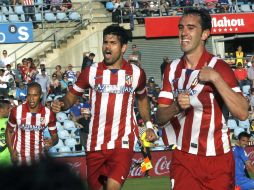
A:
48, 102
70, 73
18, 75
29, 10
75, 110
243, 164
55, 85
9, 73
251, 73
224, 4
3, 84
239, 55
5, 59
21, 92
66, 5
83, 122
58, 72
13, 101
211, 5
136, 52
31, 70
241, 75
87, 60
64, 83
46, 5
165, 62
44, 81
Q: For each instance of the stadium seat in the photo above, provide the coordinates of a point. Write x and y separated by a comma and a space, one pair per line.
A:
59, 144
237, 131
5, 10
64, 149
14, 18
245, 8
61, 117
74, 16
18, 9
63, 134
69, 125
50, 17
38, 2
246, 89
70, 142
244, 124
38, 17
75, 133
3, 19
53, 150
232, 124
61, 16
22, 18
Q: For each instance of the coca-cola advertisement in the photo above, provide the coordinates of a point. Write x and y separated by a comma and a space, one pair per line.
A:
77, 164
250, 151
160, 162
221, 24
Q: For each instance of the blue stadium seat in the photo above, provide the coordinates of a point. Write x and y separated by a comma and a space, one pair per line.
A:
50, 17
244, 124
246, 89
5, 10
63, 134
61, 16
232, 124
3, 19
18, 9
74, 16
70, 142
38, 17
14, 18
64, 149
22, 18
110, 6
245, 8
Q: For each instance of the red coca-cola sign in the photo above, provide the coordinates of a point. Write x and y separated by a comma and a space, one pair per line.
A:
160, 160
221, 24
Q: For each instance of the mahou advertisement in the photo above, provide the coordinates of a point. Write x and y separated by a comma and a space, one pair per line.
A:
221, 24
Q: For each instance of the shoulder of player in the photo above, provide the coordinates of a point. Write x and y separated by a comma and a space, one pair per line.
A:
222, 65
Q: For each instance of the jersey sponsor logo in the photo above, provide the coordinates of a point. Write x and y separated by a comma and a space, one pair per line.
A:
114, 89
27, 127
128, 79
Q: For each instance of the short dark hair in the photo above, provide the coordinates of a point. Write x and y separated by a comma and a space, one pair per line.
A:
117, 30
206, 20
91, 55
243, 134
4, 103
36, 85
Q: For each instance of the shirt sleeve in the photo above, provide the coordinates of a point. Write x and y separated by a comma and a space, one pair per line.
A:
228, 75
166, 94
12, 121
82, 82
52, 123
141, 89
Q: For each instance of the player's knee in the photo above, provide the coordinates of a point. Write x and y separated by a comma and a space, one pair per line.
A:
113, 184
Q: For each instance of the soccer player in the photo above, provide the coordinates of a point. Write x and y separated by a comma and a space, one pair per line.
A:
114, 83
200, 89
24, 133
243, 163
5, 159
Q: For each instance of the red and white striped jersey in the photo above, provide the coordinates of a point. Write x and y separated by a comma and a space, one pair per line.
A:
113, 121
203, 128
28, 2
28, 131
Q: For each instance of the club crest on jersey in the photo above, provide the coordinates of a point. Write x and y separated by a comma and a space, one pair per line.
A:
42, 120
128, 79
